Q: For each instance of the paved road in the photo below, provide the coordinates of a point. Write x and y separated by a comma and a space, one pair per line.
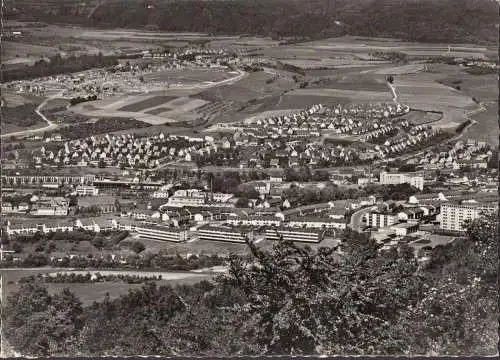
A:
356, 218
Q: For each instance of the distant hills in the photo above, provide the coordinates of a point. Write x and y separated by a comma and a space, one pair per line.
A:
457, 21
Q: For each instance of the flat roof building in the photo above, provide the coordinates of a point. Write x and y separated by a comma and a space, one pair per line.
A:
402, 178
453, 216
163, 233
295, 235
222, 233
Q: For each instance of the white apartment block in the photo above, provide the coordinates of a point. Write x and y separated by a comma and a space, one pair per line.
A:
254, 221
381, 220
295, 235
163, 233
454, 215
213, 233
316, 223
402, 178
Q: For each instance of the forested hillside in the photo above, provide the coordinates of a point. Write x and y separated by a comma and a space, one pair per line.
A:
413, 20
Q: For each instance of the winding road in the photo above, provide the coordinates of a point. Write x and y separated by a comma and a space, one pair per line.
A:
50, 125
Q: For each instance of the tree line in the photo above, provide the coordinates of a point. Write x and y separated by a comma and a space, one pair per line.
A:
286, 300
76, 278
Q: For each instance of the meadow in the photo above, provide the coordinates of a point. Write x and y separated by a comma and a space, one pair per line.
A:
90, 292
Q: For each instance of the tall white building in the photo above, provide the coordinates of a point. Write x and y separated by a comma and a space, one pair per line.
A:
381, 219
454, 215
402, 178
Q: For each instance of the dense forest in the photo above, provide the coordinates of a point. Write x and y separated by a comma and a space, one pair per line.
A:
419, 20
288, 300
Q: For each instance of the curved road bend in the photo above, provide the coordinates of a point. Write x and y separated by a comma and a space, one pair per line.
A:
357, 217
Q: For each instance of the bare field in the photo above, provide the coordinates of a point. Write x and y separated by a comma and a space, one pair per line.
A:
487, 127
17, 50
147, 103
158, 110
325, 62
13, 99
187, 76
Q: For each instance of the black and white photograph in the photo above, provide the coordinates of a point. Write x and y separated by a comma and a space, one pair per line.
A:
227, 178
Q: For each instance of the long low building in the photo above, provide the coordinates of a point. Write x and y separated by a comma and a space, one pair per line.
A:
295, 235
316, 222
254, 220
27, 228
163, 233
221, 233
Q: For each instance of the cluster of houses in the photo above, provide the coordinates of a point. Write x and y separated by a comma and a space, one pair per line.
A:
124, 151
404, 142
462, 154
39, 206
192, 57
350, 119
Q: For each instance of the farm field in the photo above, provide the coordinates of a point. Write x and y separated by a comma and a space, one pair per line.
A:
487, 126
25, 54
191, 76
147, 103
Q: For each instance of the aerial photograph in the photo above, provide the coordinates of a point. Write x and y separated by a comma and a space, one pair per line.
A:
249, 177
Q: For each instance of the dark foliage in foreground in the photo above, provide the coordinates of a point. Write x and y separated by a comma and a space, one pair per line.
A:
291, 300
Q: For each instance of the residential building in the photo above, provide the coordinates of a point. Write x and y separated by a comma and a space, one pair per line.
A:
316, 222
295, 235
190, 197
411, 214
402, 178
87, 190
221, 233
163, 233
380, 219
253, 220
31, 228
453, 216
404, 229
7, 207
